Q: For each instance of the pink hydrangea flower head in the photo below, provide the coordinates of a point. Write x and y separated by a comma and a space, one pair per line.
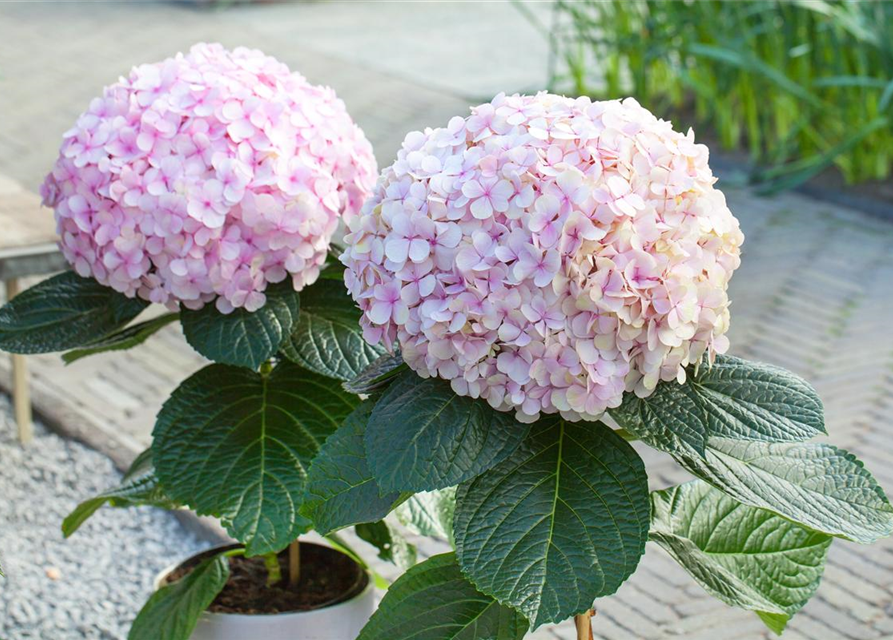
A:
547, 254
207, 177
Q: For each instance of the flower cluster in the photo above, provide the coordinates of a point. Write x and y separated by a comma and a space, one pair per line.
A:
547, 254
208, 176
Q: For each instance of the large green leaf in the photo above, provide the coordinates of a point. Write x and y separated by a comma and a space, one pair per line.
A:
340, 489
139, 487
434, 601
173, 611
734, 399
816, 485
64, 312
429, 513
746, 557
561, 522
237, 445
423, 436
670, 419
124, 339
328, 338
392, 545
378, 374
244, 338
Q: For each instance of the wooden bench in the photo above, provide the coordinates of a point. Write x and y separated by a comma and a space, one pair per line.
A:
27, 248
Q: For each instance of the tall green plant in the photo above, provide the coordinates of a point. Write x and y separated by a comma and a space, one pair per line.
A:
801, 85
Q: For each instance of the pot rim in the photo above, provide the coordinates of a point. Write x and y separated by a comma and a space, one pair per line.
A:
370, 587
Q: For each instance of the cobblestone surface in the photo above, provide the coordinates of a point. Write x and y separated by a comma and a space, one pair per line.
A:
814, 294
90, 586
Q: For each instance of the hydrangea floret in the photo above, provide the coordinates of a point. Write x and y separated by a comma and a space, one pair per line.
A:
207, 177
547, 254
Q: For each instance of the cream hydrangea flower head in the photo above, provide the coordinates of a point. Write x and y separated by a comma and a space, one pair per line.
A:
206, 177
547, 254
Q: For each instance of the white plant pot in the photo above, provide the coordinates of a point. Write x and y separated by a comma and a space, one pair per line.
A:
342, 621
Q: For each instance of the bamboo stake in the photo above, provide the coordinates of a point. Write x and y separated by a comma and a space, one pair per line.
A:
584, 625
294, 563
21, 393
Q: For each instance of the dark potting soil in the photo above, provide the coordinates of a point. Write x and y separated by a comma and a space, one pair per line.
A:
327, 578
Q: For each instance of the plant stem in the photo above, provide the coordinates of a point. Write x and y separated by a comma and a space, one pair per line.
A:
274, 572
626, 435
583, 621
294, 563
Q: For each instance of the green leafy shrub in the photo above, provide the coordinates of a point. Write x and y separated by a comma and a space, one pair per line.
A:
801, 85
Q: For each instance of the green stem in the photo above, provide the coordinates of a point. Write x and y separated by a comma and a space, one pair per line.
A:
266, 368
294, 564
274, 572
626, 435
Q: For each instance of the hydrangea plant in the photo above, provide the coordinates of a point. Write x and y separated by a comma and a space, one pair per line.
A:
212, 183
537, 285
554, 274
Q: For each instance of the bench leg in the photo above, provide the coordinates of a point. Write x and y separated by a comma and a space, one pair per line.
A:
21, 392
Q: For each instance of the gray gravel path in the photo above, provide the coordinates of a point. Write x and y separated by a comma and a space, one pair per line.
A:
91, 585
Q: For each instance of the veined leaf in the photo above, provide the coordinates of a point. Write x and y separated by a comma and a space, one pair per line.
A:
327, 338
139, 487
733, 398
816, 485
340, 489
429, 513
173, 611
378, 374
392, 545
126, 338
746, 557
243, 338
423, 436
237, 445
64, 312
434, 601
561, 522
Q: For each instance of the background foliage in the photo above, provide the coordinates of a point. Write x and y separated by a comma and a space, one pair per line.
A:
801, 85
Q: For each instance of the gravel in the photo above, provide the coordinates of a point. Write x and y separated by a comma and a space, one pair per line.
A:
92, 585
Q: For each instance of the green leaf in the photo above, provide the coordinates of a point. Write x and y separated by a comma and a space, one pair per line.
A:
340, 489
423, 436
333, 270
733, 398
816, 485
392, 546
434, 601
670, 419
429, 513
64, 312
237, 445
243, 338
173, 611
328, 338
561, 522
378, 374
139, 487
124, 339
748, 558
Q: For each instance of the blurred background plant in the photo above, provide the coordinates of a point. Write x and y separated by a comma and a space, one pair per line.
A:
799, 85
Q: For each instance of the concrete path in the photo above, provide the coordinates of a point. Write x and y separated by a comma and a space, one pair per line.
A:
815, 293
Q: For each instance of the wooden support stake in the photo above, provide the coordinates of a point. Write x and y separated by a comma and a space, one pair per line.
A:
294, 564
584, 625
21, 392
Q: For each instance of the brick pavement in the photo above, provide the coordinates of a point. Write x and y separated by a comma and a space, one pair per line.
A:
813, 294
